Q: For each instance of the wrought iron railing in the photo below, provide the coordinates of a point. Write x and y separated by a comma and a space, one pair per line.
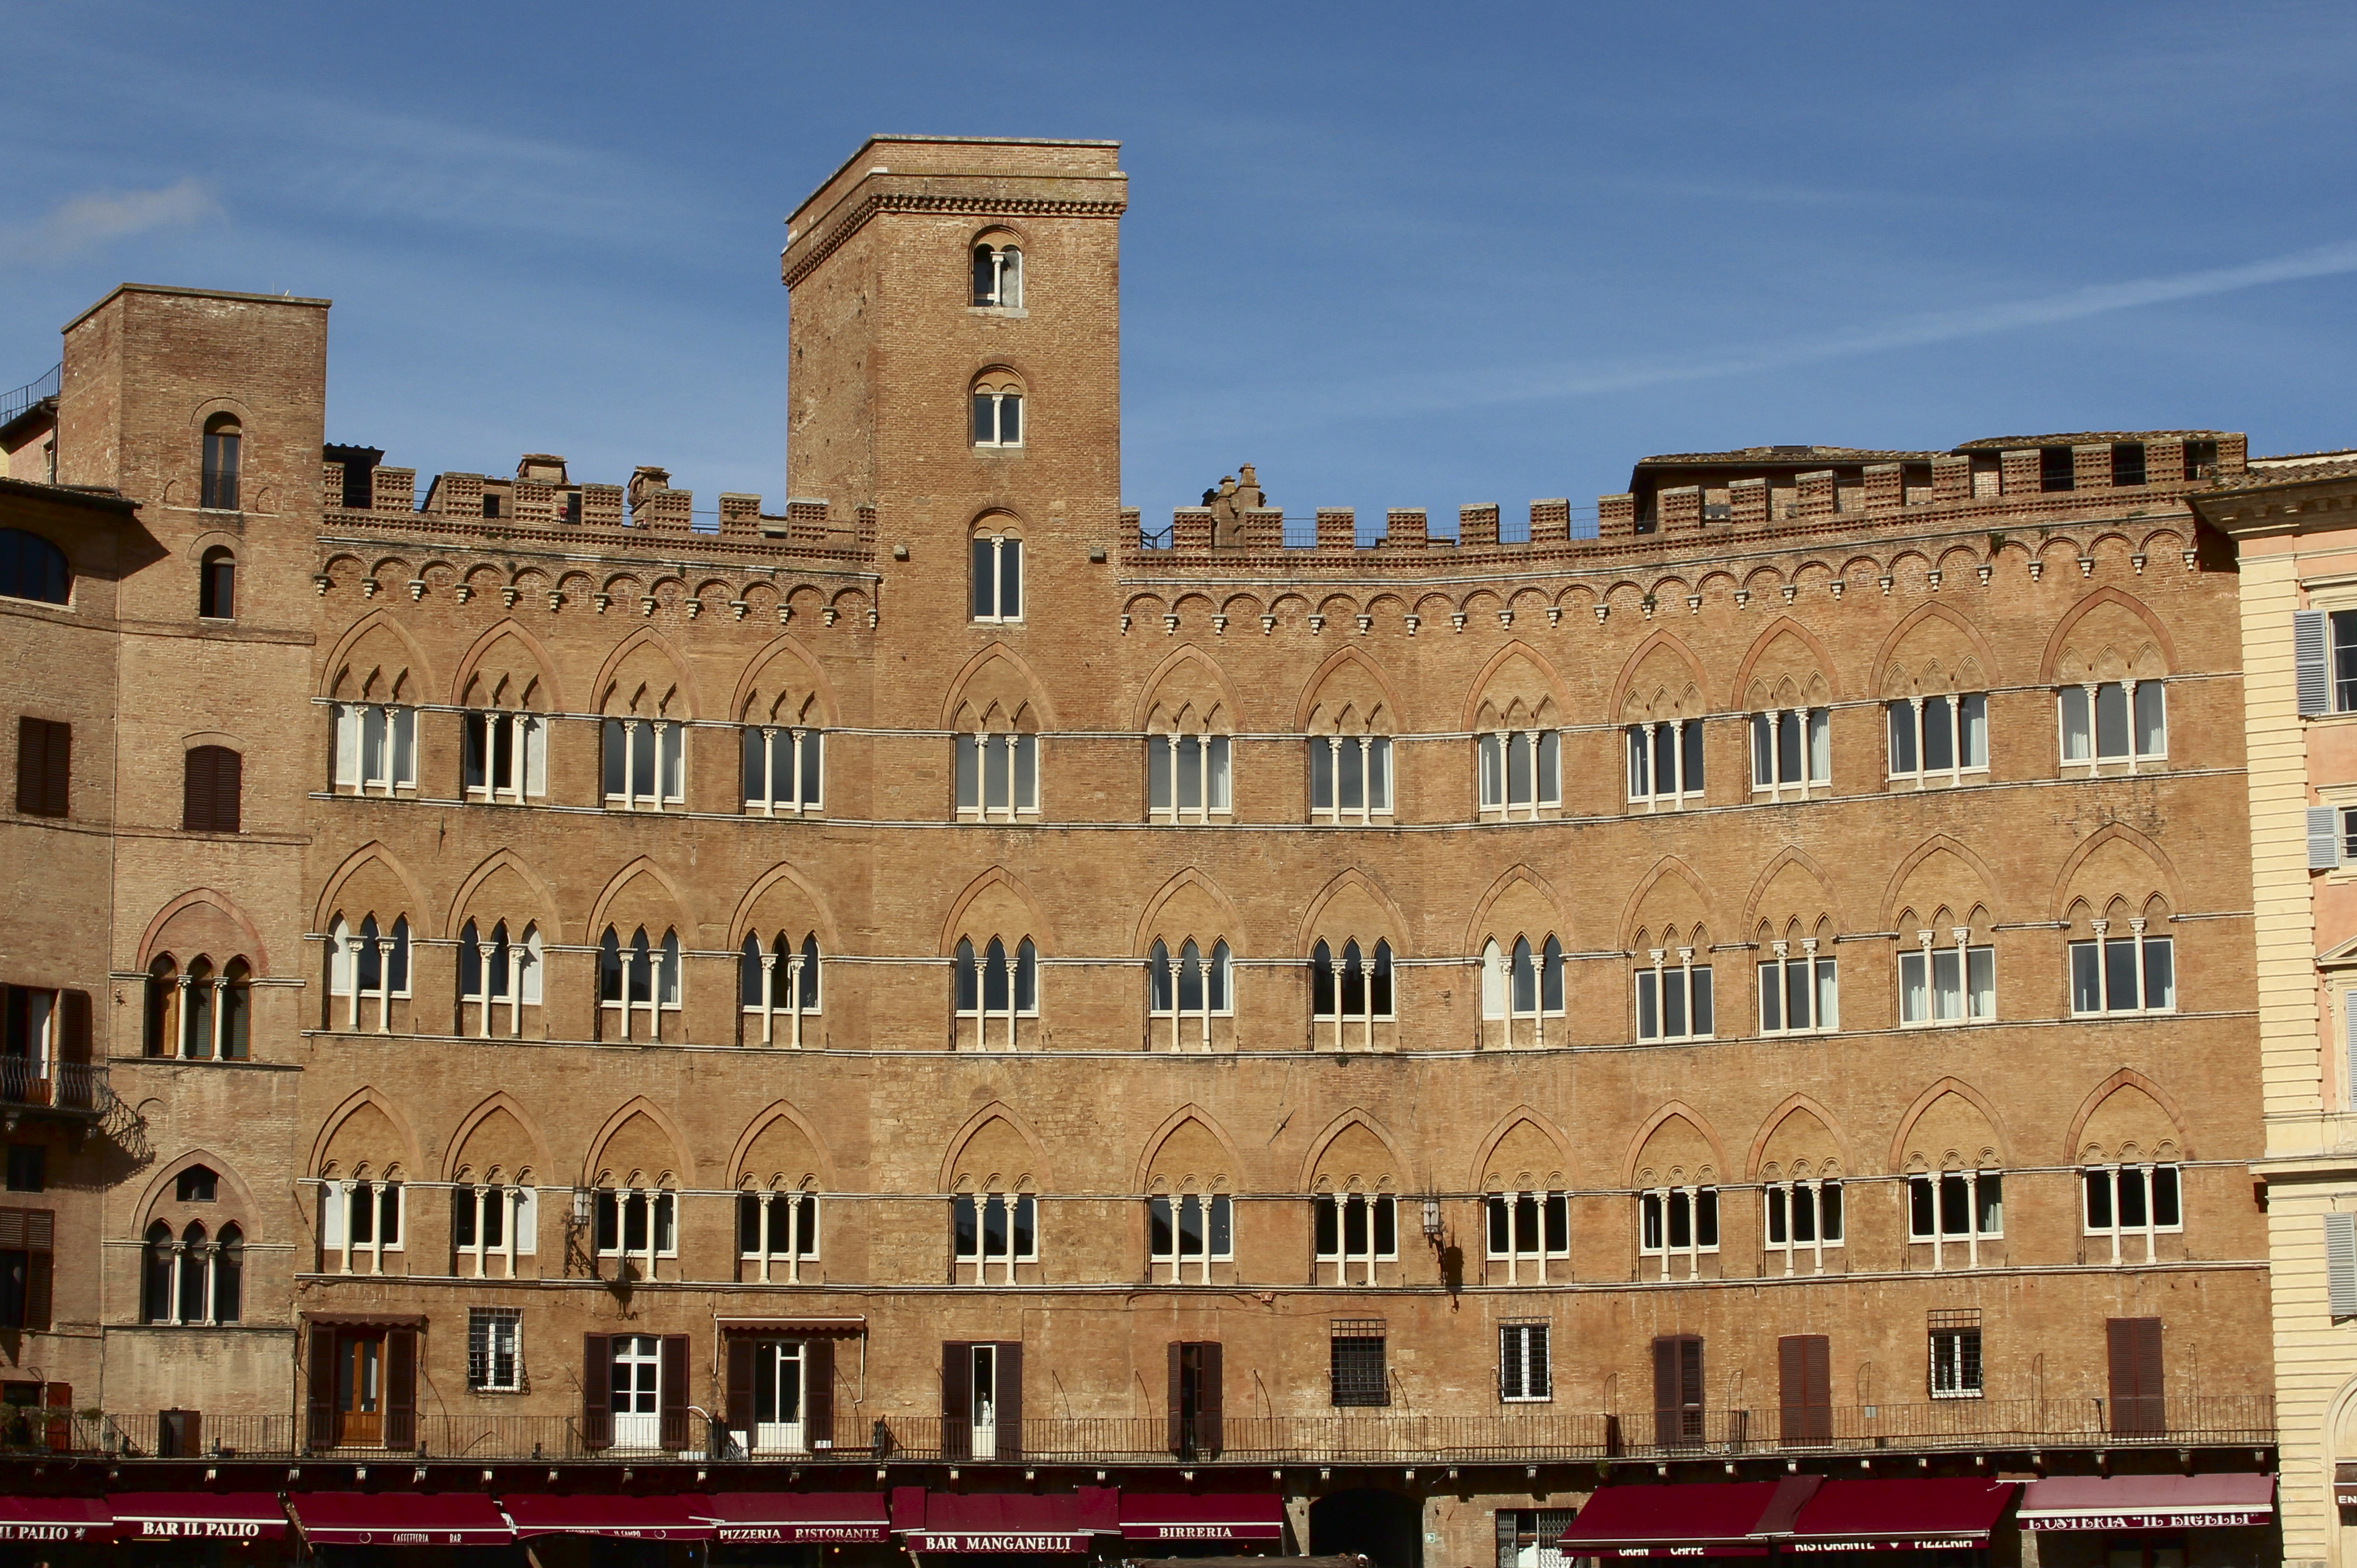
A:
79, 1087
15, 402
1393, 1438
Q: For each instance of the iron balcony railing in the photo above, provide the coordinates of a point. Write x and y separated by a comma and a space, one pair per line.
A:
1516, 1438
74, 1088
12, 403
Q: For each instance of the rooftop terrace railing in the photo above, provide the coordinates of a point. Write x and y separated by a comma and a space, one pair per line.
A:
16, 403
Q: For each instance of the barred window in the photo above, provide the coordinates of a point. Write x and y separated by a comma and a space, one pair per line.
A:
1955, 1353
1523, 1370
1358, 1376
495, 1349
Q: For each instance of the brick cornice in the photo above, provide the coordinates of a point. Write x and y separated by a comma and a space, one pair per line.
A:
895, 201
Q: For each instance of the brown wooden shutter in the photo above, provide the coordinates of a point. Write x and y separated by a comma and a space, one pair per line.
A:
229, 789
674, 1431
957, 1399
197, 789
818, 1393
1804, 1388
400, 1388
1176, 1437
40, 1275
58, 1398
1665, 1392
57, 775
73, 1043
1010, 1401
32, 751
597, 1391
2133, 1351
740, 1385
1677, 1389
1211, 1413
320, 1415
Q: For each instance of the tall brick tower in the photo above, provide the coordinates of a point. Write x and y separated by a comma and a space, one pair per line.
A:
930, 275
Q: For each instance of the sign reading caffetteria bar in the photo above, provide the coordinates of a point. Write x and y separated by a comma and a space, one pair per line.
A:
975, 1540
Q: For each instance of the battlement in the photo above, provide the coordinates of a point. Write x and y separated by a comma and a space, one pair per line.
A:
1762, 492
356, 486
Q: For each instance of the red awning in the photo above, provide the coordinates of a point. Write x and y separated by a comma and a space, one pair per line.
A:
794, 1519
621, 1518
1710, 1520
1926, 1514
55, 1518
1221, 1516
399, 1518
1015, 1522
197, 1516
2147, 1502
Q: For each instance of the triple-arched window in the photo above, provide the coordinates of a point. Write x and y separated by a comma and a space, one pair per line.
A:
368, 970
498, 977
1191, 989
997, 986
203, 1015
638, 985
193, 1278
778, 986
1521, 986
1352, 989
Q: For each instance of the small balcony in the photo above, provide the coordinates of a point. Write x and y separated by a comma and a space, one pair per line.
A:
73, 1090
1539, 1438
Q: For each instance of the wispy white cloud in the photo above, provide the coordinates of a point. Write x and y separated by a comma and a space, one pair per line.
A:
85, 223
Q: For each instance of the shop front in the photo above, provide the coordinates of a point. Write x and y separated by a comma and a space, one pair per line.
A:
993, 1529
1942, 1522
2216, 1521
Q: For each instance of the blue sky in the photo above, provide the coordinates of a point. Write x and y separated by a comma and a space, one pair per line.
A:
1395, 255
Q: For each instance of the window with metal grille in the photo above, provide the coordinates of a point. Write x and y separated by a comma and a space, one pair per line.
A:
495, 1349
1955, 1353
1356, 1371
1523, 1370
1527, 1536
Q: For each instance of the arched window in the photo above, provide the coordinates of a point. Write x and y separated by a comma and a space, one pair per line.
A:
638, 983
1187, 777
997, 572
212, 788
217, 583
782, 767
1664, 763
1673, 993
777, 1231
1525, 1230
645, 764
219, 491
505, 756
162, 1034
992, 987
998, 776
1189, 991
1189, 1231
492, 1223
997, 1229
2124, 960
1350, 778
201, 1015
375, 747
2125, 1203
1523, 985
1803, 1219
198, 1184
779, 980
1520, 771
998, 411
155, 1275
998, 275
192, 1279
1355, 989
498, 977
1353, 1231
33, 568
196, 1260
228, 1275
2108, 722
368, 965
362, 1218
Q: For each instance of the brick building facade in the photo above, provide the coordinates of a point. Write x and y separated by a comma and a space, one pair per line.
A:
941, 992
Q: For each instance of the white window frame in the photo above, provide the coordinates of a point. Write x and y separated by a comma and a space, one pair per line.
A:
1524, 1373
1517, 985
518, 1211
2147, 1182
967, 958
987, 594
1011, 1207
804, 758
2099, 948
1177, 762
664, 983
1661, 974
1657, 744
2078, 717
495, 1349
1813, 732
341, 1208
1548, 1232
789, 1231
1953, 1374
802, 963
1166, 987
1941, 1237
1370, 763
663, 742
519, 958
657, 1213
1366, 1258
1006, 291
375, 748
1909, 720
1820, 978
1005, 410
1658, 1212
1952, 983
525, 736
1007, 759
1215, 1220
1527, 763
347, 961
1783, 1205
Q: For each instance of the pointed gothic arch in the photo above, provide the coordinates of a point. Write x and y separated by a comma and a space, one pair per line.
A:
552, 692
997, 1111
1792, 1105
1333, 1130
498, 1101
1191, 1111
1933, 1096
684, 681
2107, 594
